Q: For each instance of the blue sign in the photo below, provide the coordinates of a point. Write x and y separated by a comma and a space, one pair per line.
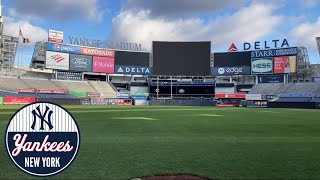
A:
274, 52
124, 95
227, 71
134, 70
296, 95
80, 63
63, 48
271, 79
266, 45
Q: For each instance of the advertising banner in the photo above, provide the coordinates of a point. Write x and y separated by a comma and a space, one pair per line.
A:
47, 91
296, 95
274, 52
227, 71
103, 64
69, 76
262, 65
139, 94
80, 63
134, 70
124, 95
230, 96
26, 90
97, 52
225, 105
79, 94
1, 100
55, 36
56, 60
85, 101
93, 94
271, 79
258, 104
62, 48
268, 96
252, 97
285, 64
16, 100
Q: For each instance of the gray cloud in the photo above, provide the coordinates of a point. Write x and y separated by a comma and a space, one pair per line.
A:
56, 9
171, 8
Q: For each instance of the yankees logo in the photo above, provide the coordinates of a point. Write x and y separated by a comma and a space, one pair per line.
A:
42, 139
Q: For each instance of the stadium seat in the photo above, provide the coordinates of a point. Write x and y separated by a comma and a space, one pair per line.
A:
104, 88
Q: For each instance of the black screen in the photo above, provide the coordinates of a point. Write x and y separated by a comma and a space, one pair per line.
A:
125, 58
181, 58
232, 59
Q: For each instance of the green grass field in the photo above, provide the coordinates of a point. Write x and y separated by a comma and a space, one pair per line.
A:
219, 143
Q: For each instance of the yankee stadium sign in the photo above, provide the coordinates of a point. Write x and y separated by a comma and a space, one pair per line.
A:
105, 44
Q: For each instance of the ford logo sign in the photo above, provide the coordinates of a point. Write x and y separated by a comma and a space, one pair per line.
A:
80, 61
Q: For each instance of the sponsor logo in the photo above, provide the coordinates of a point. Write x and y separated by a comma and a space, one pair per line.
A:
97, 52
230, 70
221, 70
262, 66
274, 52
42, 139
80, 61
266, 45
133, 70
120, 70
56, 47
57, 58
233, 48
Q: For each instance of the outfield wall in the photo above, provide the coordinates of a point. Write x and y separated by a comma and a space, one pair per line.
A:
296, 105
172, 102
61, 101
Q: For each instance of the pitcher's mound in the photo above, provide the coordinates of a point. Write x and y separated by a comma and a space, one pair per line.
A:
175, 177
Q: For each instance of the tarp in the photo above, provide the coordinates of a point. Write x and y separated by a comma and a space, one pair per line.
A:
79, 94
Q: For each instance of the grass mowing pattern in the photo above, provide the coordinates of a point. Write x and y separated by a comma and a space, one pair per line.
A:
238, 143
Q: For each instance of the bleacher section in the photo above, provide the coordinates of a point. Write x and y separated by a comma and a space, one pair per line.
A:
278, 88
303, 88
74, 85
105, 89
41, 84
275, 88
12, 84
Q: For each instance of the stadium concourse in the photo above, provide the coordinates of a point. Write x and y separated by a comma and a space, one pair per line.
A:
174, 73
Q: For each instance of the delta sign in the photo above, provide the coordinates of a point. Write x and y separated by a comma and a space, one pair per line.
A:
273, 44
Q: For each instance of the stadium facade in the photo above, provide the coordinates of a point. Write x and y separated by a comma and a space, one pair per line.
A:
174, 73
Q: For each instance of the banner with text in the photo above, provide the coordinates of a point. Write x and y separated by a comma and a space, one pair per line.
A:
285, 64
274, 52
262, 65
26, 90
80, 63
271, 79
230, 96
227, 71
69, 76
48, 91
56, 60
103, 64
16, 100
97, 52
133, 70
62, 48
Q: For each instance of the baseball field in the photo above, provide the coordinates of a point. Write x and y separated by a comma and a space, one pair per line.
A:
217, 143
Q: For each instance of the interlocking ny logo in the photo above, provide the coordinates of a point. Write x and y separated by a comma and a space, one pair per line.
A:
37, 113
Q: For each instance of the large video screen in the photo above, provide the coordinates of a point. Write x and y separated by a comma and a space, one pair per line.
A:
181, 58
125, 58
232, 59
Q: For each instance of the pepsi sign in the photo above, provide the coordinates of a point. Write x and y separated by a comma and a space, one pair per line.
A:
134, 70
227, 71
62, 48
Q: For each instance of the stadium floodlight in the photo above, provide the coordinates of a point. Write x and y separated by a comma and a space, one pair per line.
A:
318, 43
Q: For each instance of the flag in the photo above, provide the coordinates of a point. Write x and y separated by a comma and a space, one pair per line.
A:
26, 40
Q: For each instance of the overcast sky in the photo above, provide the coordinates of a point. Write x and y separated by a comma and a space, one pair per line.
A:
221, 21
